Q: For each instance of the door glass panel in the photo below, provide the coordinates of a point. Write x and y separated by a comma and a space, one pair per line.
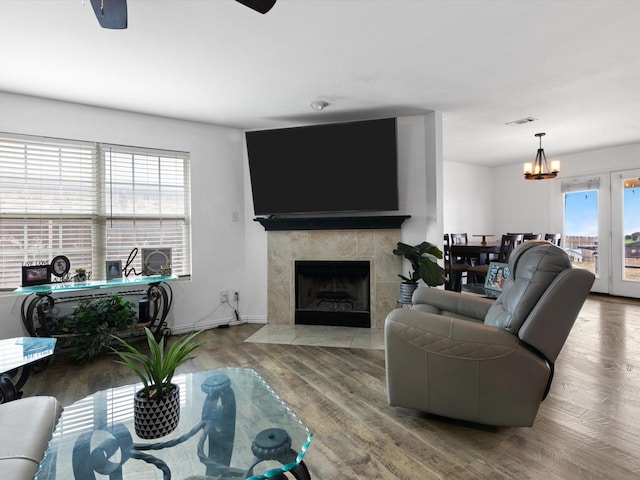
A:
631, 225
581, 229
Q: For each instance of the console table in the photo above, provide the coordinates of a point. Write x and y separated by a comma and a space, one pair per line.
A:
40, 301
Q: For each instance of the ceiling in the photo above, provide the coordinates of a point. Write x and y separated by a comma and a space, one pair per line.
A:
573, 65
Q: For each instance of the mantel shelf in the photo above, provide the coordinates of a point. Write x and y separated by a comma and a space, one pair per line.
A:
377, 222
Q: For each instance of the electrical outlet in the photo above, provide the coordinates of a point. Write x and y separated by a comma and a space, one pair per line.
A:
224, 296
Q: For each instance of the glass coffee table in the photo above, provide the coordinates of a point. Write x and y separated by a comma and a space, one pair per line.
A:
232, 426
18, 356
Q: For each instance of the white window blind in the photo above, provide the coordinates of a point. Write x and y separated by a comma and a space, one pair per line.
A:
90, 202
580, 184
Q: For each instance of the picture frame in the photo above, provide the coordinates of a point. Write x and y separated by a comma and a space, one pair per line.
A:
113, 269
60, 266
153, 259
36, 275
497, 274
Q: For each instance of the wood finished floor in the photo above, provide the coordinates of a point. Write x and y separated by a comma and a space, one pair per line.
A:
588, 427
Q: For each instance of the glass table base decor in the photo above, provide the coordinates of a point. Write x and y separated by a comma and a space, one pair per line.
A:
232, 426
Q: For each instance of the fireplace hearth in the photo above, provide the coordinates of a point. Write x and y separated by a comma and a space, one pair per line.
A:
335, 293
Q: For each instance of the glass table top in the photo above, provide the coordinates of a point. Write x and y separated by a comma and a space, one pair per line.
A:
17, 352
93, 284
95, 436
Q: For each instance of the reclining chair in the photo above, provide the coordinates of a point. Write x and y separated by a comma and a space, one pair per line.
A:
470, 358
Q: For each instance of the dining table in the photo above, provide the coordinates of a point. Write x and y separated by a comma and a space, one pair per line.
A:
482, 251
484, 237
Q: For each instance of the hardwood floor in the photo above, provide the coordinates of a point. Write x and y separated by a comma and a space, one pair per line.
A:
586, 429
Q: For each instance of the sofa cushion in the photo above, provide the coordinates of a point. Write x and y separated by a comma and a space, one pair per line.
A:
26, 427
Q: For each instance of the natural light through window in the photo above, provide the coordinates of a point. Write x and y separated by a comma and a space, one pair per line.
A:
90, 202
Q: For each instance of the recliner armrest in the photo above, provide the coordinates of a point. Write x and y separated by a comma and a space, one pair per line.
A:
451, 337
448, 303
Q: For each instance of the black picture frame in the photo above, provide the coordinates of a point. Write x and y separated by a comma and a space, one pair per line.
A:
60, 266
113, 269
36, 275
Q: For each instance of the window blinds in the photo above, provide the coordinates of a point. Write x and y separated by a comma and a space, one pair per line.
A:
90, 202
580, 184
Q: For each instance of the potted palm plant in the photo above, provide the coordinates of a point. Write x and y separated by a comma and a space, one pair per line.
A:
157, 404
423, 258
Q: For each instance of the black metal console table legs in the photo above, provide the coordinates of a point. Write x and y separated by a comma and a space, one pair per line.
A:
38, 317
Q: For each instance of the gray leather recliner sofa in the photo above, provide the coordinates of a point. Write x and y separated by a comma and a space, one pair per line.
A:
26, 426
470, 358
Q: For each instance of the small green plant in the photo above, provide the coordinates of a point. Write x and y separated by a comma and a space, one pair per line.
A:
423, 262
156, 368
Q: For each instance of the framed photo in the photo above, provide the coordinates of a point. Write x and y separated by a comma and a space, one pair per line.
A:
153, 259
60, 266
496, 276
114, 269
36, 275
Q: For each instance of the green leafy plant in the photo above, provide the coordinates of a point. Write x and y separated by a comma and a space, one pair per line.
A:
156, 368
94, 320
423, 258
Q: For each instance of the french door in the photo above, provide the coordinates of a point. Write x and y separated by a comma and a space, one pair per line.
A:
625, 233
602, 229
586, 227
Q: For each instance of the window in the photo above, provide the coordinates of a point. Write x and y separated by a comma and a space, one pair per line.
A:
90, 202
581, 206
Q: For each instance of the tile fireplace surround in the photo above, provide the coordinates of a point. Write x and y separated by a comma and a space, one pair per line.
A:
375, 246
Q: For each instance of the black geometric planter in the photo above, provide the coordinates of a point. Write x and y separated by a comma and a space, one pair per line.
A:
153, 418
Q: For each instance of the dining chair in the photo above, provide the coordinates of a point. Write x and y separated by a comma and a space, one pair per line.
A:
531, 236
555, 238
507, 244
455, 268
457, 238
463, 239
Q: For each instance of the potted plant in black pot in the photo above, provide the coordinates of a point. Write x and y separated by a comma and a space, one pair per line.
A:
423, 258
157, 404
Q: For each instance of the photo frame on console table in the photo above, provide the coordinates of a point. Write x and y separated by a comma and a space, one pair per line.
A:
496, 276
114, 269
36, 275
153, 259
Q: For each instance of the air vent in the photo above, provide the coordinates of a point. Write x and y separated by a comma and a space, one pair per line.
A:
522, 121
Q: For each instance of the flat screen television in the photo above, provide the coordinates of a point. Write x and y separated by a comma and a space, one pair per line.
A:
340, 167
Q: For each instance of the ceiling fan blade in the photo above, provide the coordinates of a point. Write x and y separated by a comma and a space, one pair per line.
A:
111, 13
262, 6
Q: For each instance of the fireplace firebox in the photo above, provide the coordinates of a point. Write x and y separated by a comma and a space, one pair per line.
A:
335, 293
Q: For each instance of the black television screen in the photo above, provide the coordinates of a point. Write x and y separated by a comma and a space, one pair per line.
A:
341, 167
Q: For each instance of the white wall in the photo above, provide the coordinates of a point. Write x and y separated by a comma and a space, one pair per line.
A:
468, 199
218, 250
226, 254
523, 205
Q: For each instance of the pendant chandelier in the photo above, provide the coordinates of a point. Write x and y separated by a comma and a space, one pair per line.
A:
539, 169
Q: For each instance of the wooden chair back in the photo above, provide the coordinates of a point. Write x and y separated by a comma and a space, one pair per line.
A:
508, 243
555, 238
531, 236
459, 238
